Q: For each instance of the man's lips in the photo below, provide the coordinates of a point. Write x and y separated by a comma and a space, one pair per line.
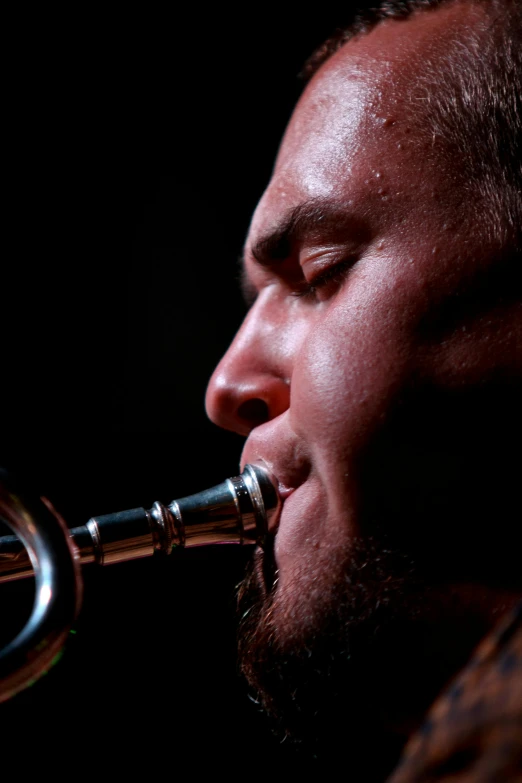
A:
284, 490
277, 448
287, 473
286, 480
288, 477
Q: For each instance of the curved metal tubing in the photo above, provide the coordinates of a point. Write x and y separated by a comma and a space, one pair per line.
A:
240, 510
58, 587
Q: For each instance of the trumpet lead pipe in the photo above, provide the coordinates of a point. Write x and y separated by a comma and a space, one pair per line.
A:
237, 511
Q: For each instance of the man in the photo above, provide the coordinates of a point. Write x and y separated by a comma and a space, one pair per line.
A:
378, 374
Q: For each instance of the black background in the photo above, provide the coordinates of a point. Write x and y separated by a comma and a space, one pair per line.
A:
138, 148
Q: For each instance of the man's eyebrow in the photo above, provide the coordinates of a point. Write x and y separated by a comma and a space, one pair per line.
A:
319, 218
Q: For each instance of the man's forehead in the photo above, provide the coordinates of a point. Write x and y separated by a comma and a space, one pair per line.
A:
373, 79
386, 68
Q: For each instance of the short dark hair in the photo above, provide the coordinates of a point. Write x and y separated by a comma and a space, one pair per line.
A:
479, 108
362, 18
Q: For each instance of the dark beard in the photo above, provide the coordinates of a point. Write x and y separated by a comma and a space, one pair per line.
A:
330, 678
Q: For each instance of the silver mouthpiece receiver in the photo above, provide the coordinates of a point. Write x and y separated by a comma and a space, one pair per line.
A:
237, 511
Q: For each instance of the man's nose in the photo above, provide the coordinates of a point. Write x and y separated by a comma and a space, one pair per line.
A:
251, 384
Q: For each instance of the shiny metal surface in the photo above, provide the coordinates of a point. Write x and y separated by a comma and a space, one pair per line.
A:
58, 586
237, 511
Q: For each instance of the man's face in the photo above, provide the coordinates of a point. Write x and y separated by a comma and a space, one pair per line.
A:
381, 332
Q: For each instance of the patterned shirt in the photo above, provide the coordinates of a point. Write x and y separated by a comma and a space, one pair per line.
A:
473, 732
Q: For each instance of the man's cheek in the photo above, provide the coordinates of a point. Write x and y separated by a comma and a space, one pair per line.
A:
344, 380
478, 351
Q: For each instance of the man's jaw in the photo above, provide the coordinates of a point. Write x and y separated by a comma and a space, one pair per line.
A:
305, 654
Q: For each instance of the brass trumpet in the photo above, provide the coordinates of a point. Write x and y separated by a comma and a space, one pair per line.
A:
237, 511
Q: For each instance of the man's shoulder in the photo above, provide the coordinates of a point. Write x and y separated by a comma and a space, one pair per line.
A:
473, 732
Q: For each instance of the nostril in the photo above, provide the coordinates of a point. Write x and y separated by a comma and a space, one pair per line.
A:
254, 412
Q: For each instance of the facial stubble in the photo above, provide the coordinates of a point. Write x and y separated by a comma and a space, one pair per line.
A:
321, 661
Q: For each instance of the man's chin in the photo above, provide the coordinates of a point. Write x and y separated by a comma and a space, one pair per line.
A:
317, 656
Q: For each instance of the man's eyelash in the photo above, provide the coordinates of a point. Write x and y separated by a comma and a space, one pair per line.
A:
334, 273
